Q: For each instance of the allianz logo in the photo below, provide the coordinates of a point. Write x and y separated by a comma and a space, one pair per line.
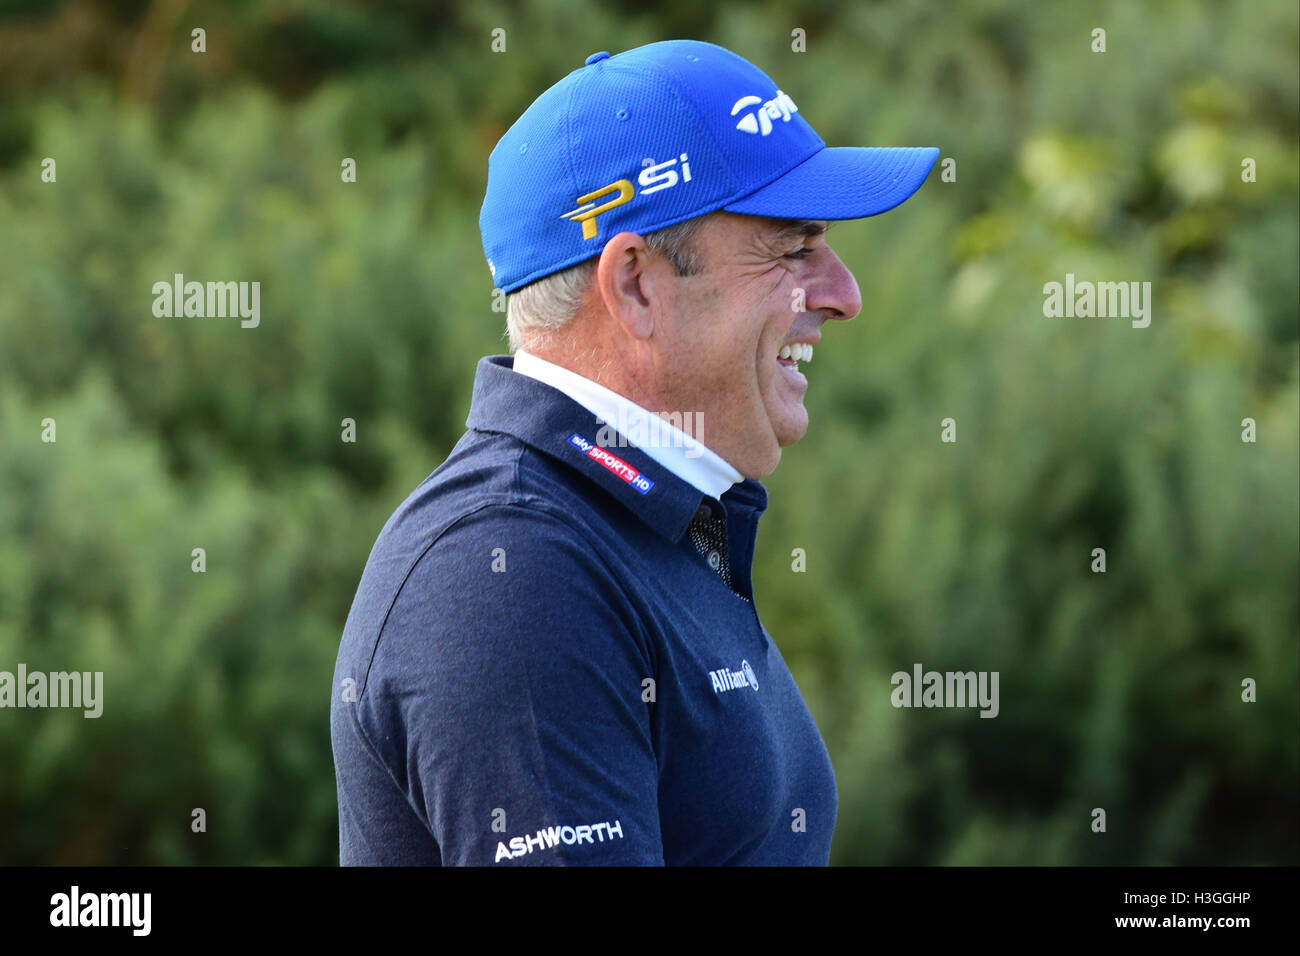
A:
760, 120
725, 679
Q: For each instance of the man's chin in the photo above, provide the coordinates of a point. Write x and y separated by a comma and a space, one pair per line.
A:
793, 428
759, 471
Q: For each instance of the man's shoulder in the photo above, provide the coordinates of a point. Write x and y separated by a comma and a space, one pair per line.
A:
490, 478
481, 554
495, 506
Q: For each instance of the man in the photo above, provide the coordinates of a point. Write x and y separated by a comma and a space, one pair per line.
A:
554, 655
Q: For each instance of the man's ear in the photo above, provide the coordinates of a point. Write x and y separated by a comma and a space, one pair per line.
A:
627, 284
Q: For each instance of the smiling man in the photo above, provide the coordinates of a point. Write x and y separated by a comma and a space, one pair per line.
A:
554, 656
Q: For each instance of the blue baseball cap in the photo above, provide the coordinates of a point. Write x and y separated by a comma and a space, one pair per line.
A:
663, 133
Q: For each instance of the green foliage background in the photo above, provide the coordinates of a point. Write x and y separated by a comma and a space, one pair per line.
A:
1119, 691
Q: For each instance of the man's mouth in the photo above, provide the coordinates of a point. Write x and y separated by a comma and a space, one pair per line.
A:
791, 355
788, 360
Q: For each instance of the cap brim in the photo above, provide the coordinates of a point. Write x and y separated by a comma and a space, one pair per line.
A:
842, 182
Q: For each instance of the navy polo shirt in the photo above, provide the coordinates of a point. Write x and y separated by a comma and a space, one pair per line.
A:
540, 669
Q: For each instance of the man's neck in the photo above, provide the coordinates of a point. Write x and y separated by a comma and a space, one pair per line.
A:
676, 445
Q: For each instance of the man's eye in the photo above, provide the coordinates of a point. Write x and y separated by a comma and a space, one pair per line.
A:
801, 253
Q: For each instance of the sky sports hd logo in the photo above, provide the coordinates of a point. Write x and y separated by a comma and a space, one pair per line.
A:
612, 463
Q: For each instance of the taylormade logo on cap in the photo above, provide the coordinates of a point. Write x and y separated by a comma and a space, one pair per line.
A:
779, 107
660, 134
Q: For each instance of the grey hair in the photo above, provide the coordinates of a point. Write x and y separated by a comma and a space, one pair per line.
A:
552, 301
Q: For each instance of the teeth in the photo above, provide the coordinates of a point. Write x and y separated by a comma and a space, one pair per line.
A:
800, 352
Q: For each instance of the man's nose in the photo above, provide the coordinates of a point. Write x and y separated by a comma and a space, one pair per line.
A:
835, 291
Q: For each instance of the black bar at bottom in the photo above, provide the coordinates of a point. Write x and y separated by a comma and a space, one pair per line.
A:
338, 906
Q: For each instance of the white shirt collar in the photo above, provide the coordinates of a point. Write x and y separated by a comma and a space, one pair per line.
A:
685, 456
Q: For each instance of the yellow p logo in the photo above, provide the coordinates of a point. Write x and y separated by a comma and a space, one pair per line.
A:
586, 213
